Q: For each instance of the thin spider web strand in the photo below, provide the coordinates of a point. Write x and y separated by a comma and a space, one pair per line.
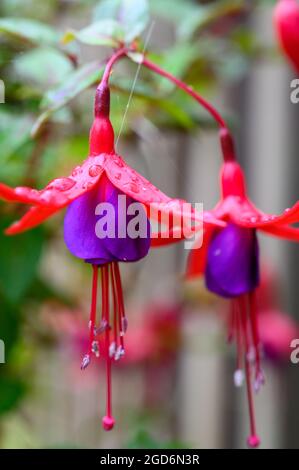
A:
150, 31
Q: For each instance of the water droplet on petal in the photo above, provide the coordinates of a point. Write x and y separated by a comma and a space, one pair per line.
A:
95, 170
119, 163
253, 219
46, 196
287, 209
87, 185
77, 171
134, 188
265, 218
63, 184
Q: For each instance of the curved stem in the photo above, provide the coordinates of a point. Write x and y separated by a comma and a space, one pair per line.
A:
119, 54
226, 139
189, 90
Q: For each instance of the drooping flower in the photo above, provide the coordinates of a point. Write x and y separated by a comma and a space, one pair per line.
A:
229, 261
103, 178
286, 22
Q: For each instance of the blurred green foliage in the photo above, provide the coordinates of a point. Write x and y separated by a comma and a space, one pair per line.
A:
47, 65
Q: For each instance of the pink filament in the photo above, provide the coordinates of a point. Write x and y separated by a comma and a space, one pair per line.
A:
108, 420
121, 315
238, 314
93, 308
254, 329
253, 439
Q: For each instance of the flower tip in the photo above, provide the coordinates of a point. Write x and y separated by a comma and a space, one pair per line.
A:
12, 229
108, 423
253, 441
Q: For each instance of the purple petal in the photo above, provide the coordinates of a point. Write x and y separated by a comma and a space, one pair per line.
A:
233, 262
81, 221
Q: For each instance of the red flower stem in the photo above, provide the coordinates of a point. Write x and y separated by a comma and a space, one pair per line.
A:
254, 328
238, 314
225, 136
189, 90
93, 307
119, 54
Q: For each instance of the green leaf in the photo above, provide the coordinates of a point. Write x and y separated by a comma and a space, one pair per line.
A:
174, 10
131, 15
134, 15
177, 61
19, 260
143, 440
11, 392
14, 132
28, 31
72, 86
203, 15
106, 9
45, 67
9, 327
105, 32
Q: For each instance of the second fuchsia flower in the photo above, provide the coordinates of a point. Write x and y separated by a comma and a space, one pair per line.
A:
229, 262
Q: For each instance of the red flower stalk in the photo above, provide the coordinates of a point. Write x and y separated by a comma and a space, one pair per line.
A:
286, 22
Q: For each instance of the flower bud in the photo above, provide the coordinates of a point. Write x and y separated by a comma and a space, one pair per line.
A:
286, 21
101, 137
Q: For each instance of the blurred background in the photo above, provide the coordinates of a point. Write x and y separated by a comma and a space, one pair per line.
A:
175, 387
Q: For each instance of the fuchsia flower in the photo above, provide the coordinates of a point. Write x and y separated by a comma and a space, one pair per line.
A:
103, 177
229, 261
286, 21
